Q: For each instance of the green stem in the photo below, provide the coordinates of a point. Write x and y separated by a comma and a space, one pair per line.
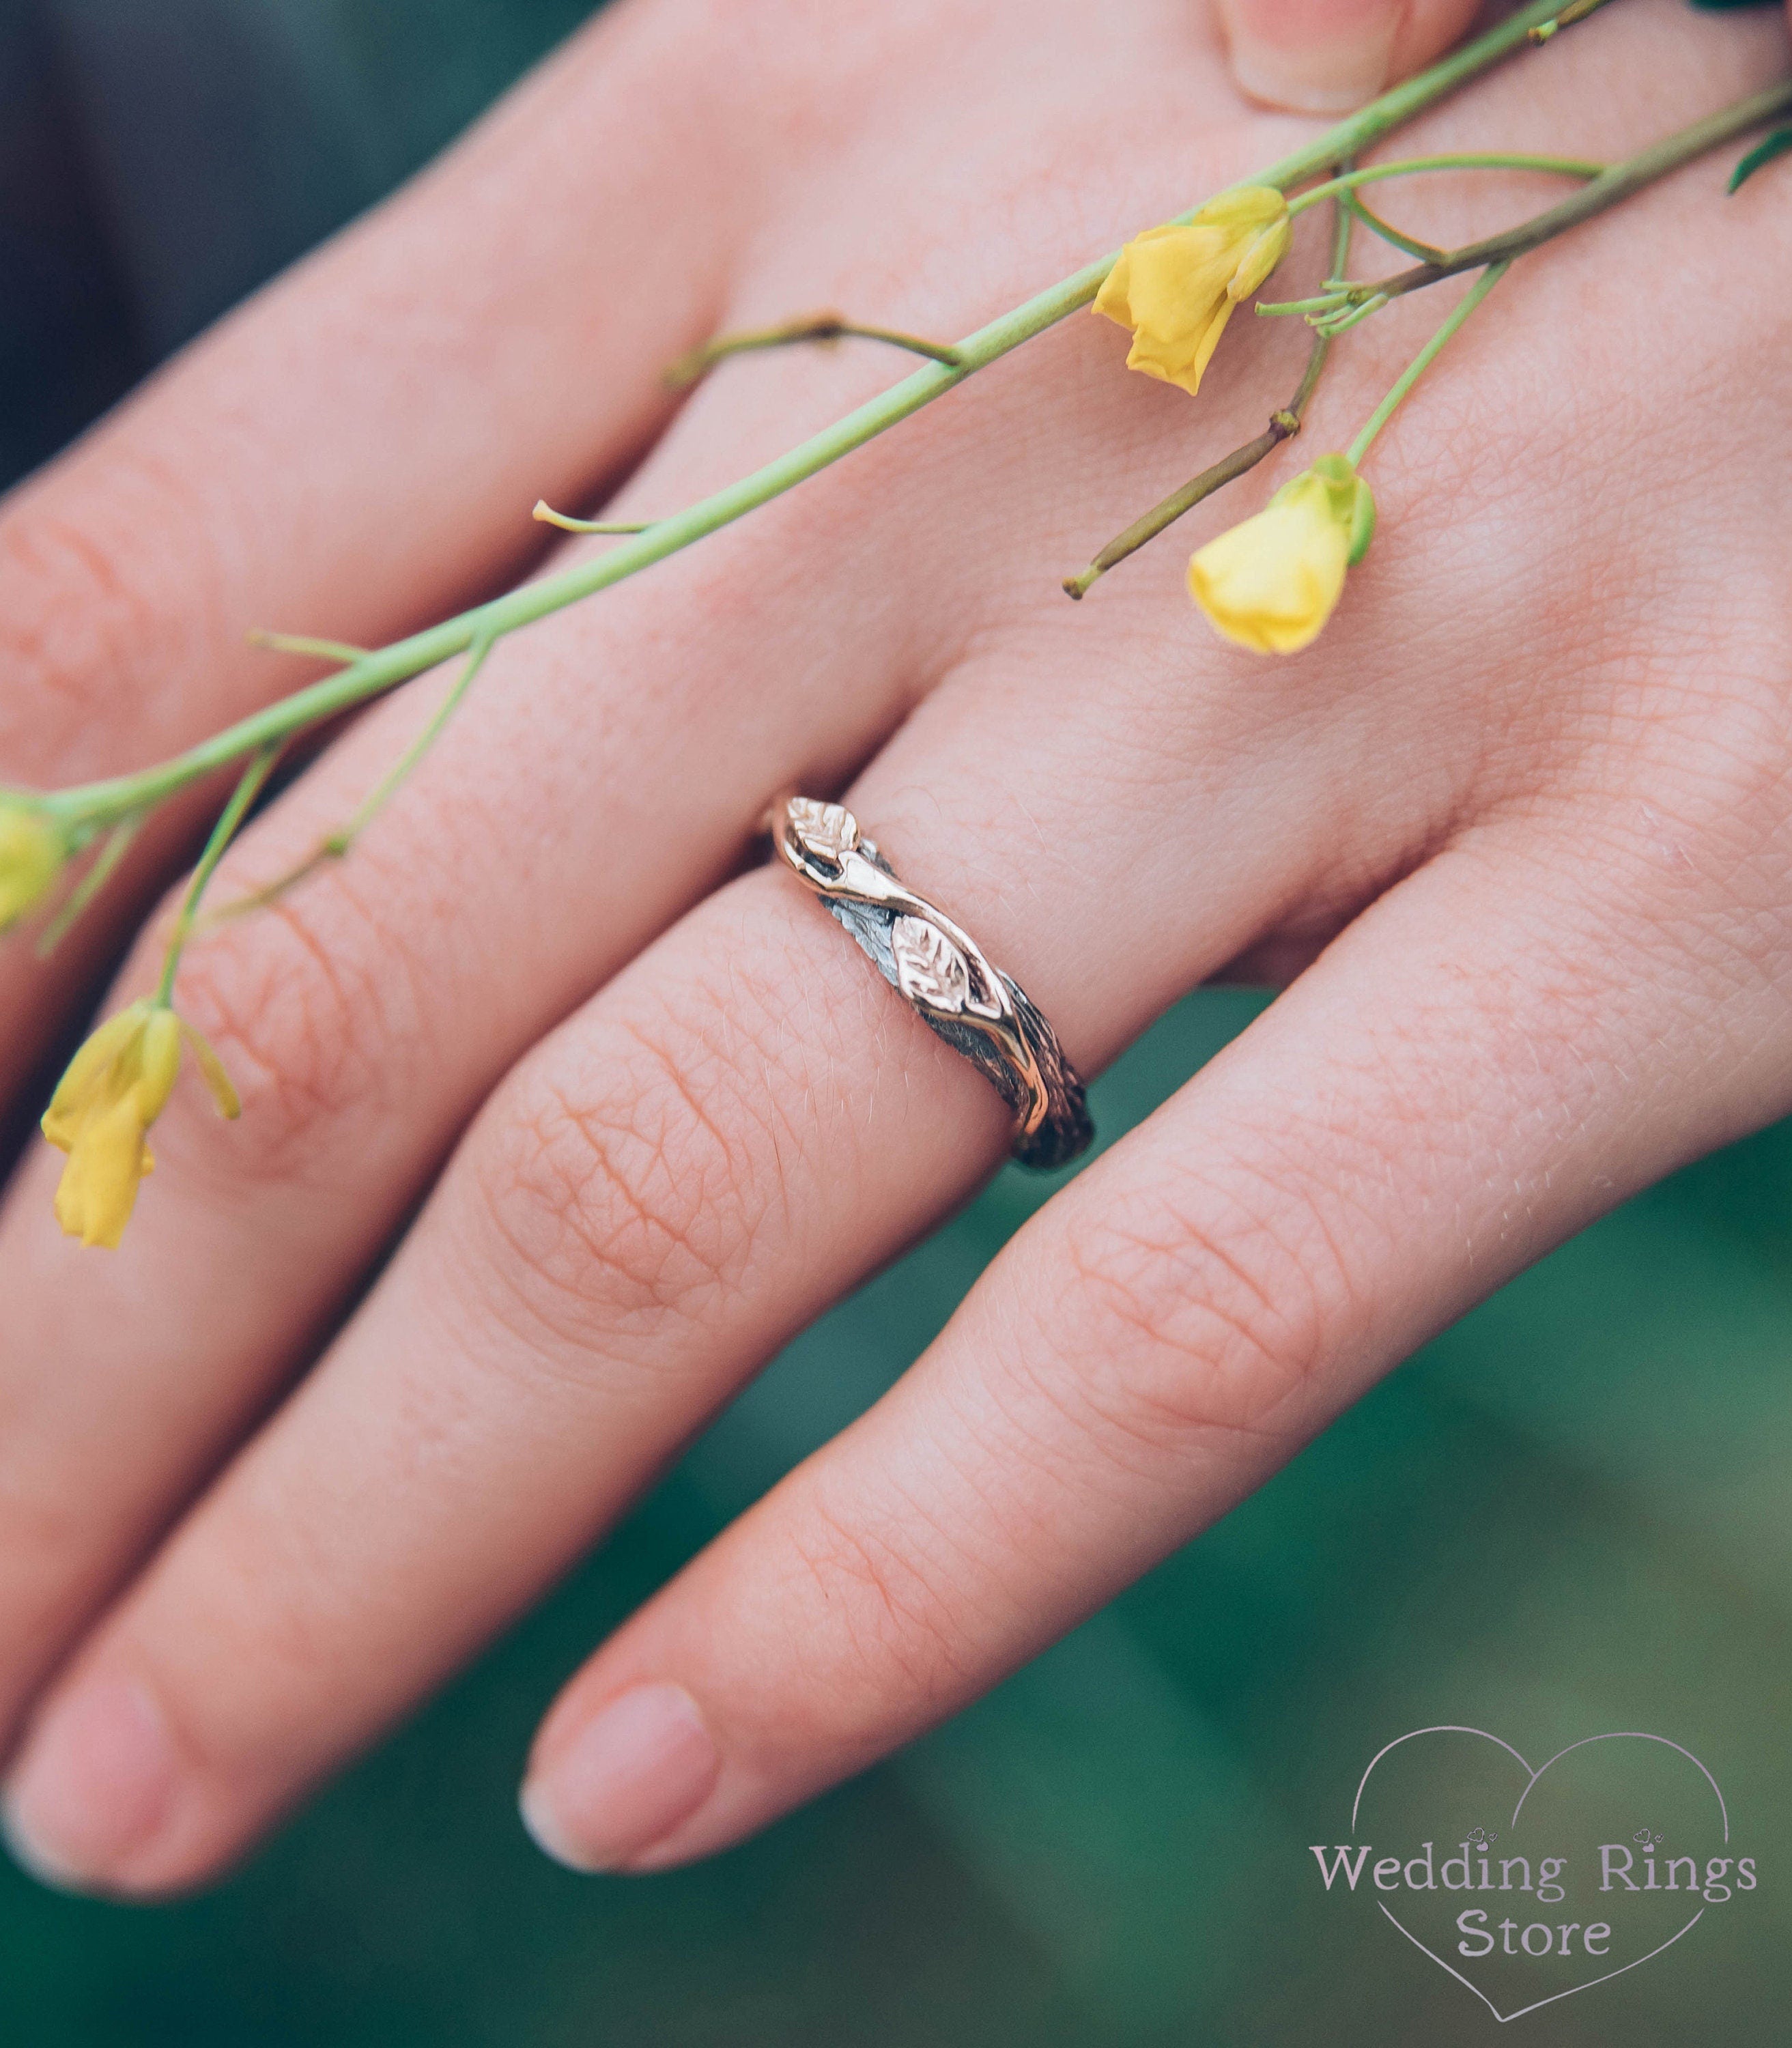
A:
1423, 360
1349, 184
340, 842
1408, 244
1565, 167
1619, 183
337, 846
566, 524
1341, 320
1325, 302
806, 327
249, 787
105, 865
1577, 10
302, 644
380, 671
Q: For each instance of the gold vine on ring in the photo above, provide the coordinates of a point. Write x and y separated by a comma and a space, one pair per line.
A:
942, 973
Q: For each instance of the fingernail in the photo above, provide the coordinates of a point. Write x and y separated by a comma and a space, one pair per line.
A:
1317, 74
628, 1777
93, 1785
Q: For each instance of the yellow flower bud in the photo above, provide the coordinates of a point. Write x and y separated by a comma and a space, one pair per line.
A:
1271, 583
116, 1086
32, 854
1176, 287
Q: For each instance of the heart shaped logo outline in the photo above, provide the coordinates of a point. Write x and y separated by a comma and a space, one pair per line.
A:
1614, 1735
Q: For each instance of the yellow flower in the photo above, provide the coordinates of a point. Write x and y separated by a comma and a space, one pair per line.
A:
1176, 287
1271, 583
32, 854
116, 1087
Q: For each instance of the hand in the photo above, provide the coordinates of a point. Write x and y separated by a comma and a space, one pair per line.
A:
1521, 824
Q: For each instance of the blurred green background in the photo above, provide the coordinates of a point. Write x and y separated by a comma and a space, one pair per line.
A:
1566, 1516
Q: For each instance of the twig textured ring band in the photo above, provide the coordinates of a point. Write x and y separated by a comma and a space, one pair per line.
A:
942, 973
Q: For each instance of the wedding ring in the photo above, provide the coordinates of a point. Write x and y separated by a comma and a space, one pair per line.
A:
942, 973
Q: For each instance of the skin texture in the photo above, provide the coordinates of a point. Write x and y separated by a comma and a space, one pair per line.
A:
632, 1111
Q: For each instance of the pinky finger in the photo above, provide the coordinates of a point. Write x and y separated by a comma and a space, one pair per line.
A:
1439, 1100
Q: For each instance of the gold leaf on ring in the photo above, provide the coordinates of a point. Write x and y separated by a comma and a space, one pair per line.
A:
930, 970
829, 831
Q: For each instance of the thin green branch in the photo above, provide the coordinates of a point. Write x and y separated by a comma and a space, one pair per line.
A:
566, 524
398, 775
1325, 302
1341, 320
1408, 244
1282, 426
806, 327
1599, 194
101, 803
302, 644
337, 845
249, 787
1476, 160
105, 865
1577, 10
1423, 360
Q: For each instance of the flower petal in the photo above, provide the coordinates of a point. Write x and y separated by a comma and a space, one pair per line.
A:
1270, 584
98, 1187
89, 1069
1173, 285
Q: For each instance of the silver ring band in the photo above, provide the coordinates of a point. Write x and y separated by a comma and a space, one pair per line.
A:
943, 974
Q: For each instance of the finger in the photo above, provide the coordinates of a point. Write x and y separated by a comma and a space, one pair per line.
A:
357, 449
1328, 56
737, 1128
1492, 1055
365, 1019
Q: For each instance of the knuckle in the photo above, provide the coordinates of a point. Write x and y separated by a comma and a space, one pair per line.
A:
1701, 828
317, 1009
875, 1608
86, 623
1199, 1311
629, 1185
1727, 755
1685, 707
